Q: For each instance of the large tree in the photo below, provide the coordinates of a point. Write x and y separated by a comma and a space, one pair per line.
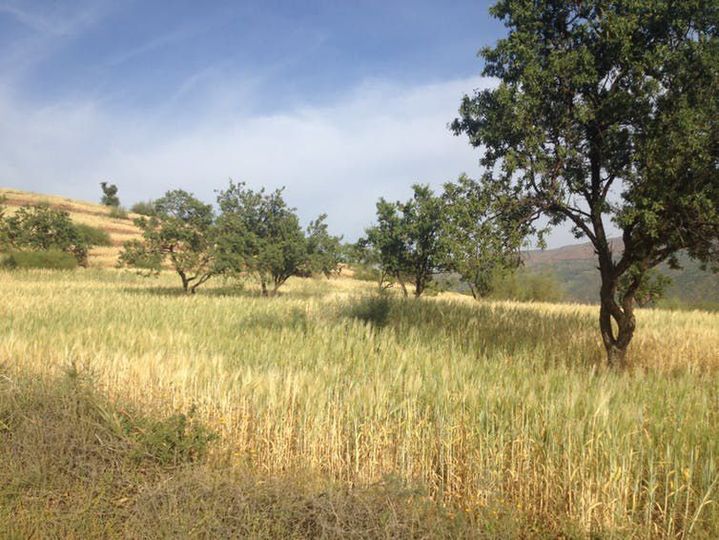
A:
259, 234
182, 232
607, 113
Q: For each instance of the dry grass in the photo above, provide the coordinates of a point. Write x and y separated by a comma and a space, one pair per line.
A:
96, 215
496, 408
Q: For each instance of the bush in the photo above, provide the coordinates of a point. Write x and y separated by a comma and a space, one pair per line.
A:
174, 440
526, 286
52, 259
118, 212
374, 310
144, 208
40, 227
92, 236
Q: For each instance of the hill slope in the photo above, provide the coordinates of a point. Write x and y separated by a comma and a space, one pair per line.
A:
97, 215
576, 269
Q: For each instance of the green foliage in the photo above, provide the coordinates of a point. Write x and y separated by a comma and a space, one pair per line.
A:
324, 251
144, 208
181, 232
259, 234
109, 195
42, 228
118, 212
52, 259
481, 246
175, 440
597, 99
93, 236
407, 239
652, 285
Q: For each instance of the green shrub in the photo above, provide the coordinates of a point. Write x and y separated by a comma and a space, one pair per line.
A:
171, 441
92, 236
144, 208
39, 227
52, 259
374, 310
118, 212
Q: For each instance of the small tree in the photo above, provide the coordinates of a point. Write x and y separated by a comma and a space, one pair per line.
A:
109, 195
407, 237
607, 112
324, 251
181, 231
259, 234
42, 228
481, 245
386, 242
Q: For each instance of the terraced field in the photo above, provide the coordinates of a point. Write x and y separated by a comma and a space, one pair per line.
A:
97, 215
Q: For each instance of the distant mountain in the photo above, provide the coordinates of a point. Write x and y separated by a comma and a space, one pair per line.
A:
575, 267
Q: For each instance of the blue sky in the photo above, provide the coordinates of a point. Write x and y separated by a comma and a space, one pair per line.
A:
340, 101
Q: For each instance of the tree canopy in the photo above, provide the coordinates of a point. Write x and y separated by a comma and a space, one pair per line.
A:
181, 231
109, 195
481, 245
259, 234
407, 238
606, 113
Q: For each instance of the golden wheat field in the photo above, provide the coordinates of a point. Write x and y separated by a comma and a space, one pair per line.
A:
492, 411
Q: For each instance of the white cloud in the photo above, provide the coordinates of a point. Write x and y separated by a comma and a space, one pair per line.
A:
337, 158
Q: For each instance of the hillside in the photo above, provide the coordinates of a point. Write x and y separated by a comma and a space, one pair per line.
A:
97, 215
575, 267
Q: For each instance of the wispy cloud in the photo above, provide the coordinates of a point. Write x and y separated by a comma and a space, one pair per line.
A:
55, 18
339, 158
48, 25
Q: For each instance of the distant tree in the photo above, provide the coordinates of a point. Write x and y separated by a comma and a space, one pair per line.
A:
386, 240
109, 195
481, 243
42, 228
607, 112
422, 216
260, 235
182, 232
366, 262
324, 251
407, 238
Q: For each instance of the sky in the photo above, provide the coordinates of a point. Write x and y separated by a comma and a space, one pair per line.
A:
341, 102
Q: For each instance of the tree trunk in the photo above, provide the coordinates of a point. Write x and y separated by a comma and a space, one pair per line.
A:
473, 290
616, 341
404, 287
185, 282
264, 288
